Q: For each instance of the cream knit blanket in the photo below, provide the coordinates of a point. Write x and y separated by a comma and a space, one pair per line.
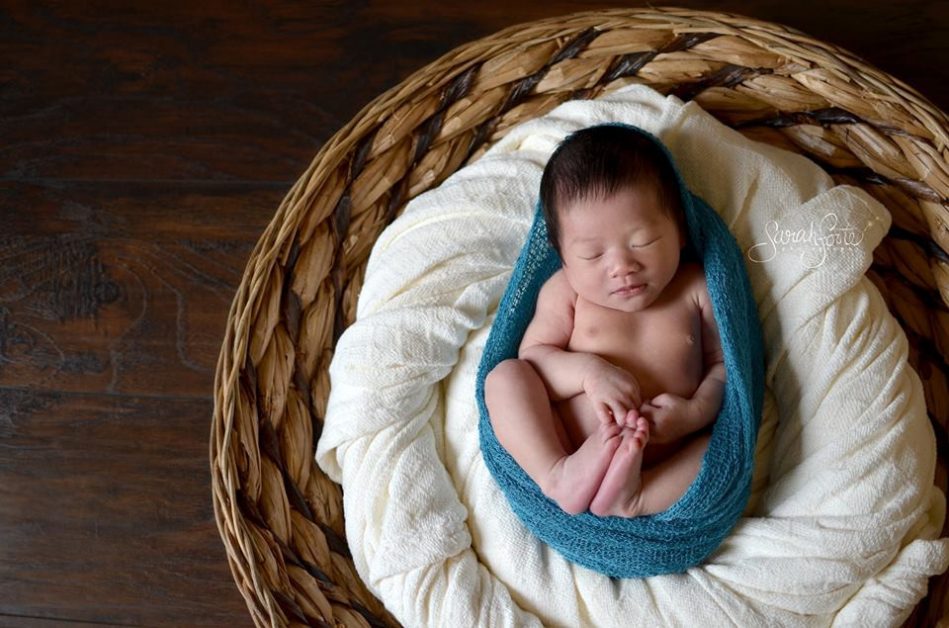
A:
843, 524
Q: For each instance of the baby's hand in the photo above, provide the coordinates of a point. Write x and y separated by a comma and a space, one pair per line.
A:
613, 391
668, 417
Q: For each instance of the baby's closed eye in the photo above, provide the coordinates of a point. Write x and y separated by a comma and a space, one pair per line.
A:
644, 243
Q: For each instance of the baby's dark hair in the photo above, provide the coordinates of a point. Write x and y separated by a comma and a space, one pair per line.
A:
599, 161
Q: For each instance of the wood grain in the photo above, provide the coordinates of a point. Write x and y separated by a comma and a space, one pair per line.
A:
104, 513
124, 289
143, 148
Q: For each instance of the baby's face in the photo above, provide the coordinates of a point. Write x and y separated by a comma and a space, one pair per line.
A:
622, 251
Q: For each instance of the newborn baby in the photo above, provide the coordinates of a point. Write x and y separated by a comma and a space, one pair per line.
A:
620, 371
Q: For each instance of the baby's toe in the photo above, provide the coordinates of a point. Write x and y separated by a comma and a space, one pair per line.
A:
642, 430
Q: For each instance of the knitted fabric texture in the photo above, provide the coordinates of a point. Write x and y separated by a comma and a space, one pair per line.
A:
692, 528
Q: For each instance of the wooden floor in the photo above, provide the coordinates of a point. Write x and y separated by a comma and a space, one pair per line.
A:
142, 152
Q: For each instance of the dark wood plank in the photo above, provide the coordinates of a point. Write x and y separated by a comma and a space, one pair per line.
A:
219, 91
22, 621
123, 288
105, 512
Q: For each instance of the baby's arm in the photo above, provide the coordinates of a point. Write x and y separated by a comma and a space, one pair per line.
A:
568, 373
674, 417
707, 400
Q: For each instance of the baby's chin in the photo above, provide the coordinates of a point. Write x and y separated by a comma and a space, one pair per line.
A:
628, 303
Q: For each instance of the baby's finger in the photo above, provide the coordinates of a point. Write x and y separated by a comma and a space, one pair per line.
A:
636, 399
603, 413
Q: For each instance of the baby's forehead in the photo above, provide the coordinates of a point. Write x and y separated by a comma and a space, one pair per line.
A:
584, 218
656, 201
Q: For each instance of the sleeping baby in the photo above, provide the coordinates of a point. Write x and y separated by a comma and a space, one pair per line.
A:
620, 372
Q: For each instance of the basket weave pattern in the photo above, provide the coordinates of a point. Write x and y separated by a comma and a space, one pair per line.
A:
280, 517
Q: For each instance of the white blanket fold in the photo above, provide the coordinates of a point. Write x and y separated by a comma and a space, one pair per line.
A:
844, 529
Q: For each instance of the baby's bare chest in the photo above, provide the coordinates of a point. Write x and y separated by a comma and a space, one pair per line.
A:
661, 347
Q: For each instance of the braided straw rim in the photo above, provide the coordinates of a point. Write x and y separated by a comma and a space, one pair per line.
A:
280, 517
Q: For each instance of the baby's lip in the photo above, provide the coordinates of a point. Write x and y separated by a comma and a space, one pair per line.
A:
631, 288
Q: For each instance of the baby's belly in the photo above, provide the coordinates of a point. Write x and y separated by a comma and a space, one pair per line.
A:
670, 364
664, 356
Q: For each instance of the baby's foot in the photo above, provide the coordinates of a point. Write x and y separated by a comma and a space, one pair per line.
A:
573, 480
619, 493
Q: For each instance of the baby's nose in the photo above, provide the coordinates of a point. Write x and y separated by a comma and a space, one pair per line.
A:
624, 265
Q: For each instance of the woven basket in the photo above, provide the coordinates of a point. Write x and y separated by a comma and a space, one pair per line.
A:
280, 517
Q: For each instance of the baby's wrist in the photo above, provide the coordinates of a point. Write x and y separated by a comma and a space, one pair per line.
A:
588, 372
697, 413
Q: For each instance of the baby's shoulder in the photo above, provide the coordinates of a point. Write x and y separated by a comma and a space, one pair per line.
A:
692, 278
557, 288
552, 322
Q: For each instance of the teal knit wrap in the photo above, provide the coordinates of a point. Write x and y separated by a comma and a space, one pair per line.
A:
692, 528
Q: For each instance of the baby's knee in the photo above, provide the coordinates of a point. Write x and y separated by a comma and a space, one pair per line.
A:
507, 375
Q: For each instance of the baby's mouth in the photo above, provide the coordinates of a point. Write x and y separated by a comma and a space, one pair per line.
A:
628, 291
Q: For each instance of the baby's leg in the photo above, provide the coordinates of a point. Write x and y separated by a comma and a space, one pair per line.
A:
627, 491
530, 430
